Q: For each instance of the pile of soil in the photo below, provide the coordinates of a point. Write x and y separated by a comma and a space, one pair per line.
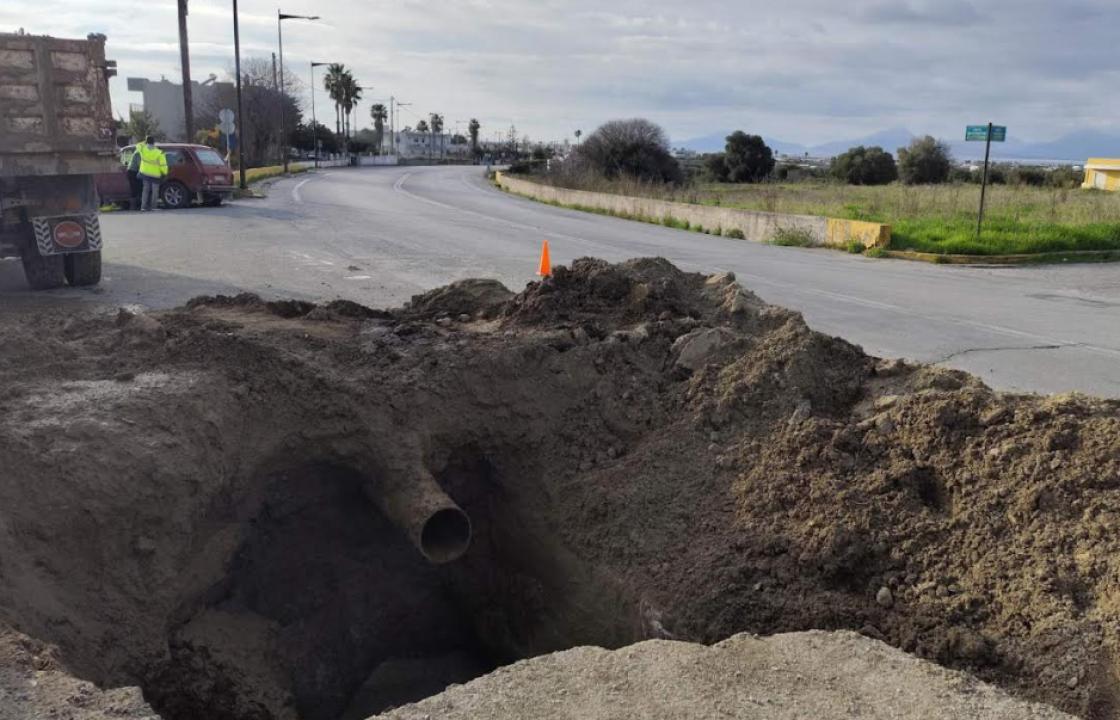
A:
828, 676
643, 453
33, 685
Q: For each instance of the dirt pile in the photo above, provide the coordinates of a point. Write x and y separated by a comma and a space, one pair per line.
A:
828, 676
206, 502
34, 685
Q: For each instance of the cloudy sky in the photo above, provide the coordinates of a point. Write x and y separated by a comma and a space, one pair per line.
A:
805, 71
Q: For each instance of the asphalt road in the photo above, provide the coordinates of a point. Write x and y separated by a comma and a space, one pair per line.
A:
381, 235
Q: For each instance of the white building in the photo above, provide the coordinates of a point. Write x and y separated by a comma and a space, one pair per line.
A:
412, 145
164, 100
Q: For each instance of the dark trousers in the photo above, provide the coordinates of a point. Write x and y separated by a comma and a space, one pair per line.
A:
134, 188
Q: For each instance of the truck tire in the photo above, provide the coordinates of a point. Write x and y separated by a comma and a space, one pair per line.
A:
44, 272
175, 195
83, 268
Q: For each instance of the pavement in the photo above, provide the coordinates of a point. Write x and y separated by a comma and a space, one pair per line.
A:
380, 235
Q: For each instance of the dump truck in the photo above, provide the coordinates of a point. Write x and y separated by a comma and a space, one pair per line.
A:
56, 133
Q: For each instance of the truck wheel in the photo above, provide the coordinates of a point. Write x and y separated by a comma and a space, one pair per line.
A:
83, 268
175, 195
43, 272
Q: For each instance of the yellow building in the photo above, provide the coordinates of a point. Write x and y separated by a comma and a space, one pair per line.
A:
1102, 174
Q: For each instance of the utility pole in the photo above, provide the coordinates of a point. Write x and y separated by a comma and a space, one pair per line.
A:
240, 106
392, 126
185, 59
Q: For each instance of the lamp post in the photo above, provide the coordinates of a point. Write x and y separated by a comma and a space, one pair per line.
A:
280, 18
396, 145
314, 121
240, 106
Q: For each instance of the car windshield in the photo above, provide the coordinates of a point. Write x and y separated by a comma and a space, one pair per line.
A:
210, 158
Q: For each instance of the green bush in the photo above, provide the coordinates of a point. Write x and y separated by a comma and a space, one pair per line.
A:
855, 247
793, 237
864, 166
925, 162
736, 233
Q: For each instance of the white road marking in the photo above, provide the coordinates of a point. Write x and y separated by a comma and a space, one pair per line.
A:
359, 277
295, 191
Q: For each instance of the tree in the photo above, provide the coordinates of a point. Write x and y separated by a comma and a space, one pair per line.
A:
925, 162
332, 83
422, 126
351, 95
305, 134
473, 129
747, 157
140, 125
380, 114
636, 149
437, 129
864, 166
716, 166
258, 130
579, 134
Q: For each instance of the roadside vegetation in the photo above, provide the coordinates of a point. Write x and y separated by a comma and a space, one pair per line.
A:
930, 201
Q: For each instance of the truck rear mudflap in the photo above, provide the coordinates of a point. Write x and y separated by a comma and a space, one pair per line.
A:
65, 234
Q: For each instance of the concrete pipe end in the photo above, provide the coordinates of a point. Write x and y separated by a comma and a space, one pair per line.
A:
446, 535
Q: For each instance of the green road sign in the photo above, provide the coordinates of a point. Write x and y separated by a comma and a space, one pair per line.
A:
979, 133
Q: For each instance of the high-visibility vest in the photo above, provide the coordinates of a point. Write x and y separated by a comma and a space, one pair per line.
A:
153, 162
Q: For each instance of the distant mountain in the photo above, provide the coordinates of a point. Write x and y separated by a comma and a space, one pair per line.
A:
890, 140
1073, 147
717, 141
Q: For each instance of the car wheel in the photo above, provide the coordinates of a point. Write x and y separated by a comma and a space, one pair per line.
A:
83, 268
175, 195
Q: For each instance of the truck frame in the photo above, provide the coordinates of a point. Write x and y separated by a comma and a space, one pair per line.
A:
56, 133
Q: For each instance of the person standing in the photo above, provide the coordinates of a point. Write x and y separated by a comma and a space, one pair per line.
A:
135, 186
153, 168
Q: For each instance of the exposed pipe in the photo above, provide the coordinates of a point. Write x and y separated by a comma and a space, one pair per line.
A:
415, 503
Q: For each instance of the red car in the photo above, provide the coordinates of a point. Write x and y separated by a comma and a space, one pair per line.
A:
195, 173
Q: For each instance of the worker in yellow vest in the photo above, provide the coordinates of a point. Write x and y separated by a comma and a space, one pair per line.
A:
153, 168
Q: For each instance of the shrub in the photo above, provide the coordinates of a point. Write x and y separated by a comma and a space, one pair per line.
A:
925, 162
855, 247
792, 237
875, 252
736, 233
864, 166
747, 157
715, 167
636, 149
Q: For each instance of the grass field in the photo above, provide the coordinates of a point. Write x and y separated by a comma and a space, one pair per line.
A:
935, 219
942, 219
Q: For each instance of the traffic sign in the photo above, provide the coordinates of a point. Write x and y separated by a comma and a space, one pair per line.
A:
979, 133
225, 121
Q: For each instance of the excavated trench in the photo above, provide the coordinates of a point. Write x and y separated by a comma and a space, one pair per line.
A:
284, 511
333, 610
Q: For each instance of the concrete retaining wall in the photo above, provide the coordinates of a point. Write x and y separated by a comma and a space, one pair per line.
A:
759, 226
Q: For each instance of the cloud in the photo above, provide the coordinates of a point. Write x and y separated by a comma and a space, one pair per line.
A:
804, 70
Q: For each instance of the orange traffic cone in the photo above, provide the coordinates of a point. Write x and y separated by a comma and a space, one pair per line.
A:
545, 269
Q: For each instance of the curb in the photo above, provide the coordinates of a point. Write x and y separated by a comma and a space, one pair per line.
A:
1084, 256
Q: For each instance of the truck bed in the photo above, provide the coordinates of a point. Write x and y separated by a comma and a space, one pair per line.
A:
55, 113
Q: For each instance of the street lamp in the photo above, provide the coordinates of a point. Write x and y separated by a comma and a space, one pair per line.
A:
280, 18
314, 121
396, 145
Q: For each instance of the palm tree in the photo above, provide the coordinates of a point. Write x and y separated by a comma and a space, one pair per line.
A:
351, 95
333, 82
579, 134
473, 128
437, 129
379, 114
